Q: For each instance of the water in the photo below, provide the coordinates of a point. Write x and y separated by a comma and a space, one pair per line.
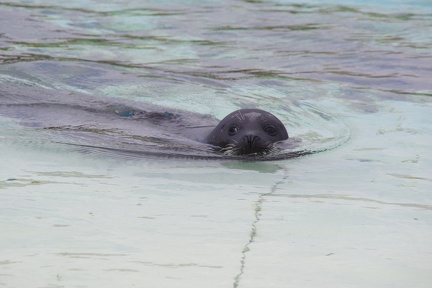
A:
349, 78
121, 125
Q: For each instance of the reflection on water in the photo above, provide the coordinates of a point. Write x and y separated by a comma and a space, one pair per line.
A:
357, 215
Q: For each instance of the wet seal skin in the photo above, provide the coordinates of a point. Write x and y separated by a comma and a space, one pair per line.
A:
246, 132
138, 128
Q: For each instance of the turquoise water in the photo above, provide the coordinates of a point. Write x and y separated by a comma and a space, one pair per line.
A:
351, 79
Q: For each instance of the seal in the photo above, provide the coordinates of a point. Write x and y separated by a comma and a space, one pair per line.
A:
119, 124
247, 131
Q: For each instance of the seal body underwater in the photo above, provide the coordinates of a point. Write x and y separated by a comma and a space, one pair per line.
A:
247, 131
100, 122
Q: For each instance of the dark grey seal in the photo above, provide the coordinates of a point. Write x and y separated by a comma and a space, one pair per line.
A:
247, 131
86, 120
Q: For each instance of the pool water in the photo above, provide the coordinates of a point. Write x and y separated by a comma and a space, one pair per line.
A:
350, 79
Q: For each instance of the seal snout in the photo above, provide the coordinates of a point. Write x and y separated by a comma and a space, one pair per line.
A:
251, 141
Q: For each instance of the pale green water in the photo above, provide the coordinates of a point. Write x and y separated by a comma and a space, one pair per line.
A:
358, 215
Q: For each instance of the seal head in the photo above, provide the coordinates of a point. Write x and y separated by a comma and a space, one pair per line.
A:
247, 131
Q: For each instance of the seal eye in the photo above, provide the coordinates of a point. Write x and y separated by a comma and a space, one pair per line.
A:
269, 129
233, 130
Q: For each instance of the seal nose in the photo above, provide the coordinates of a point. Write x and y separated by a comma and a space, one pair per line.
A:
251, 140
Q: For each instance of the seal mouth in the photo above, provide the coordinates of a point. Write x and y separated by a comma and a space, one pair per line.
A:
251, 147
239, 151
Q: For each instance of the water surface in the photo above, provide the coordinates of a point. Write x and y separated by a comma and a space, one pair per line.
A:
353, 76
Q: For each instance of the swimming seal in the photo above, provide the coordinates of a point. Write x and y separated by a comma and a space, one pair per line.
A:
93, 121
247, 131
